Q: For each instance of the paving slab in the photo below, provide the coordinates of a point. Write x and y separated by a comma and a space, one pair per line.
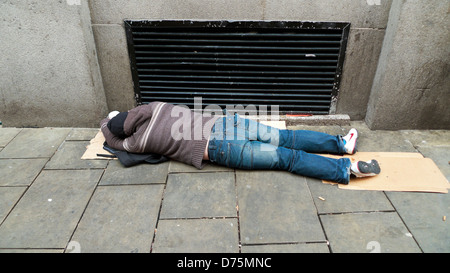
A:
276, 207
330, 199
197, 195
30, 143
287, 248
82, 134
68, 156
120, 219
382, 232
7, 134
117, 174
20, 172
8, 198
48, 212
427, 137
379, 140
197, 235
423, 214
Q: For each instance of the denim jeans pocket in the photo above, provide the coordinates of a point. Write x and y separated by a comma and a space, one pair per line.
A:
234, 128
240, 155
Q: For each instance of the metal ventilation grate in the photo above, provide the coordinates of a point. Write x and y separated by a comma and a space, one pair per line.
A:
296, 65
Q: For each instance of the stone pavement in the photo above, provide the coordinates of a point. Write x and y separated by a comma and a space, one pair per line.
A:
51, 201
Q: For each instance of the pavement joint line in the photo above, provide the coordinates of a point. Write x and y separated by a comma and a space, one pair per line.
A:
85, 207
133, 184
32, 248
237, 213
224, 171
404, 223
44, 157
201, 218
286, 243
158, 217
12, 138
318, 216
15, 204
356, 212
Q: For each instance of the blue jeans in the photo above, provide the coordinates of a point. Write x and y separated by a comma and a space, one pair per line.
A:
241, 143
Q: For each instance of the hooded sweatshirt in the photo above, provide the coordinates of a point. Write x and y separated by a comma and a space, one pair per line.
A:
162, 128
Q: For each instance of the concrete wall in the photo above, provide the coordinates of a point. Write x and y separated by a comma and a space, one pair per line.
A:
412, 83
395, 76
366, 37
49, 74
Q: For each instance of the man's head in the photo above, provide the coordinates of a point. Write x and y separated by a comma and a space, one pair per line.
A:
115, 125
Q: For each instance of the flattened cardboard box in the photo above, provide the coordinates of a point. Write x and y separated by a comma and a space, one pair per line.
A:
399, 172
96, 147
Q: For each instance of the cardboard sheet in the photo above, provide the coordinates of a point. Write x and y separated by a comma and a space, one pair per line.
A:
399, 172
96, 147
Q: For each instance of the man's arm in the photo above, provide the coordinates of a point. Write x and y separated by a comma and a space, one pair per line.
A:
112, 140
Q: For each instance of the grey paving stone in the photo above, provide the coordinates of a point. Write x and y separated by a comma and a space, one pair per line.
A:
287, 248
20, 172
82, 134
423, 215
7, 134
8, 198
380, 141
116, 174
196, 195
178, 167
338, 200
31, 143
120, 219
276, 207
47, 214
197, 235
367, 232
68, 156
427, 137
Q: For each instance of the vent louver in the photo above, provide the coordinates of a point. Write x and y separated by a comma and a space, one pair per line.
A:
296, 65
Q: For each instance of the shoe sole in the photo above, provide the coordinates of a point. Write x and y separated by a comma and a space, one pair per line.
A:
370, 168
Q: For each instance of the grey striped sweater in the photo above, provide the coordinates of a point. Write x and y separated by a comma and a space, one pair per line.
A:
173, 131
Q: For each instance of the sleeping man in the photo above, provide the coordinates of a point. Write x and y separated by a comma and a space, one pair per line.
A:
232, 141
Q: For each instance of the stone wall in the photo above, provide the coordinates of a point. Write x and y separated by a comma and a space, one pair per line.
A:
49, 73
411, 89
65, 63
